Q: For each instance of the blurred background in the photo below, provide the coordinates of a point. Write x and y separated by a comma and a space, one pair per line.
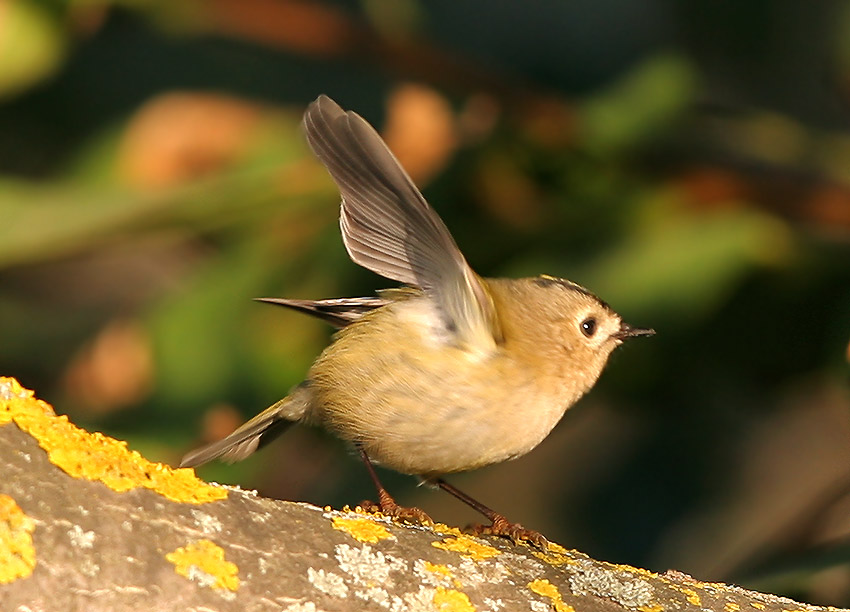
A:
689, 162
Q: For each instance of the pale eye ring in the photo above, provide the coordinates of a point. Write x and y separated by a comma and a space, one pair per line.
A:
588, 327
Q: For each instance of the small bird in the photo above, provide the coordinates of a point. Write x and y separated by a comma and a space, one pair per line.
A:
449, 372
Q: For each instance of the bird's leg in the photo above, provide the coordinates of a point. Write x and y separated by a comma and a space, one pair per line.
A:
386, 504
500, 526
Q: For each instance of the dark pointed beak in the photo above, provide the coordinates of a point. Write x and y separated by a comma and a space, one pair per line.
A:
627, 331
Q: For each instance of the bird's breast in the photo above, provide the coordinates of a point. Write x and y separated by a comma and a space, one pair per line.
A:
420, 405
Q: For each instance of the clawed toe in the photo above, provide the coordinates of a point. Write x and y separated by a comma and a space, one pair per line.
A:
414, 515
369, 506
391, 509
386, 504
516, 532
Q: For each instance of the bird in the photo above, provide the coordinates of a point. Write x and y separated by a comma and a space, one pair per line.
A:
446, 373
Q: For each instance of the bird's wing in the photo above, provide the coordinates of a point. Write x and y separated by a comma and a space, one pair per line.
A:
389, 228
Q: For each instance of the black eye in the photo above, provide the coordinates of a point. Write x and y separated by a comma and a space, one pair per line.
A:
588, 327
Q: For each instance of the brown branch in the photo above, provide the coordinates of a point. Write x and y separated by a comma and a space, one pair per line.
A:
86, 524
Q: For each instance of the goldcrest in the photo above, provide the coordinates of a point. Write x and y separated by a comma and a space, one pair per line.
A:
450, 372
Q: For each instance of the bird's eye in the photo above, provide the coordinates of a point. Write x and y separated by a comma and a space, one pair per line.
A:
588, 327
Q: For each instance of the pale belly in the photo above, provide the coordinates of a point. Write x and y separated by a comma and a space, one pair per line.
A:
421, 422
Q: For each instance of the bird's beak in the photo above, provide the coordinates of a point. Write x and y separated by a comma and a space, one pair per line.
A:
627, 331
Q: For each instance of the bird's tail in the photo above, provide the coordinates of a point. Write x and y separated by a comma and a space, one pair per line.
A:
263, 428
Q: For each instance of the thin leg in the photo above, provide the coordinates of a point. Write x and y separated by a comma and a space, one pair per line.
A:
386, 504
500, 525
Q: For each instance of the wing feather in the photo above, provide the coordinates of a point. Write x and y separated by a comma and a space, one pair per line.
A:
388, 227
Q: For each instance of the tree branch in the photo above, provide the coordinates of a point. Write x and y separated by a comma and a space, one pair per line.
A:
86, 524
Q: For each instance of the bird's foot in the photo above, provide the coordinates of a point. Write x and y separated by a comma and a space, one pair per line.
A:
388, 507
516, 532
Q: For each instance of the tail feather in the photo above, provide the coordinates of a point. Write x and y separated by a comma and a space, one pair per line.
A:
263, 428
339, 312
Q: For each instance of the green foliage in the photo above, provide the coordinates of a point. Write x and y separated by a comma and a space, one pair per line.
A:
684, 265
638, 107
32, 46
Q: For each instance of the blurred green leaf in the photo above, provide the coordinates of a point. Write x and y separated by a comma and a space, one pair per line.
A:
210, 337
44, 222
31, 46
638, 106
196, 332
685, 264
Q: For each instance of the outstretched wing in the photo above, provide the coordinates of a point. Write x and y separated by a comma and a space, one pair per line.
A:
389, 228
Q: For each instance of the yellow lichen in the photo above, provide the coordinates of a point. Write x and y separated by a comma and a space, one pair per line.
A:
556, 555
758, 605
94, 456
203, 561
547, 589
449, 600
651, 608
643, 573
692, 596
10, 389
444, 529
443, 573
17, 554
731, 606
467, 547
436, 568
362, 529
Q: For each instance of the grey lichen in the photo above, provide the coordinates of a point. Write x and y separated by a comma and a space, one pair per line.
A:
603, 582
